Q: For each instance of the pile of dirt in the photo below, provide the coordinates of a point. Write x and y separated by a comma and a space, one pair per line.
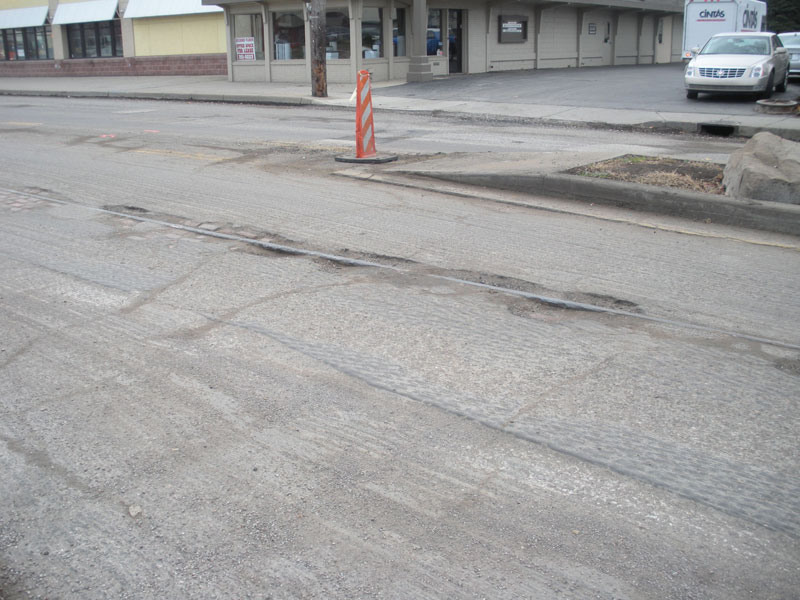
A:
697, 176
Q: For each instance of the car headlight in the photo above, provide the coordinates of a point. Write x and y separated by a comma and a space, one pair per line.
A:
690, 71
757, 71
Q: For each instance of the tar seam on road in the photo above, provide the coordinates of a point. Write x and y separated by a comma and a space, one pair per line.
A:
354, 262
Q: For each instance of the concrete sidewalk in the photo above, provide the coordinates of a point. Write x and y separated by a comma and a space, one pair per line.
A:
219, 89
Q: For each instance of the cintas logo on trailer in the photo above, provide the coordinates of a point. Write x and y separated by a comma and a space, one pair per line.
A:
750, 19
704, 18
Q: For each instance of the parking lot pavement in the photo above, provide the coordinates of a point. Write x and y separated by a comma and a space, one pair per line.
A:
635, 87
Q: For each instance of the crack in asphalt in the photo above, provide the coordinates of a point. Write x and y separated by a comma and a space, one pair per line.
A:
746, 491
357, 262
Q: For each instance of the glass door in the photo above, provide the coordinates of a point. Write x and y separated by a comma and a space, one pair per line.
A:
455, 40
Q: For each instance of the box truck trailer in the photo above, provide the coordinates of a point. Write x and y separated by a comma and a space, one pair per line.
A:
704, 18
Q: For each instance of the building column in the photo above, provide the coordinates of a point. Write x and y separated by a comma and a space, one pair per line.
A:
355, 10
614, 35
537, 39
60, 44
538, 10
386, 36
269, 46
581, 16
655, 37
419, 68
128, 44
639, 29
488, 41
309, 50
58, 33
229, 47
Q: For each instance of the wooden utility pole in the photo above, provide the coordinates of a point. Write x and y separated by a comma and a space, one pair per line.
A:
319, 70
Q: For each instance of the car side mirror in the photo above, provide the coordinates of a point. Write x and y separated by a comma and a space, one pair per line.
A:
781, 51
695, 51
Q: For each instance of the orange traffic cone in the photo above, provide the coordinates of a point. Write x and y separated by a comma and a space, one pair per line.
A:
365, 129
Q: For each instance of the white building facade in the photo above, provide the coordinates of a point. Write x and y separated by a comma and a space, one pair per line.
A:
269, 40
419, 39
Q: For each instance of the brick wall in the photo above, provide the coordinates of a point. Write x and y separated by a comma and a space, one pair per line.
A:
198, 64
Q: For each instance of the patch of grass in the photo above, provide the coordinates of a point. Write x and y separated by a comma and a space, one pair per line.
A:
697, 176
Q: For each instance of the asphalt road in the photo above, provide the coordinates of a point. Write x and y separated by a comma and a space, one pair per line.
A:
336, 413
149, 122
650, 87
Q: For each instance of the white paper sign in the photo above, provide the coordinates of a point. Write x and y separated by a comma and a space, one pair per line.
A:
245, 48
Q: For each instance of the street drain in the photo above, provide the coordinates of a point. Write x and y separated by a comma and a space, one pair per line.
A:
716, 129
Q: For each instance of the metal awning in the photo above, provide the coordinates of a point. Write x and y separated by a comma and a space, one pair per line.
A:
85, 12
166, 8
23, 17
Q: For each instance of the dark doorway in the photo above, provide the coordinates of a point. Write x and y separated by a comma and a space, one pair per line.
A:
455, 37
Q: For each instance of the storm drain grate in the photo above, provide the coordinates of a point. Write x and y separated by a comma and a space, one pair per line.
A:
715, 129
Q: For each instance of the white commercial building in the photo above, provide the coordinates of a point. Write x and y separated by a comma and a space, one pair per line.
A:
270, 40
415, 40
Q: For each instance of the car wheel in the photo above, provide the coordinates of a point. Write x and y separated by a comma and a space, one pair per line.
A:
691, 95
784, 83
767, 93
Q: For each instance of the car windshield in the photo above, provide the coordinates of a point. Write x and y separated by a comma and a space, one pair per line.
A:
790, 40
736, 45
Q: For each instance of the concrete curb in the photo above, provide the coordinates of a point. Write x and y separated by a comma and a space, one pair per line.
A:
168, 96
754, 214
203, 97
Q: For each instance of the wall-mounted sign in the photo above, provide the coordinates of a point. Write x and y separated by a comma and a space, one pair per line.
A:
592, 28
245, 48
512, 29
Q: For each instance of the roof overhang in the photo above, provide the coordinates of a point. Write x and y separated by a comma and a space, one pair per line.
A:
85, 12
224, 2
13, 18
138, 9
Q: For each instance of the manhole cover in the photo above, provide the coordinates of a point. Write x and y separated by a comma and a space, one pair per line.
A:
776, 107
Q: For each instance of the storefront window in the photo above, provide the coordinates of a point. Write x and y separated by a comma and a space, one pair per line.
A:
104, 39
372, 32
44, 44
95, 40
90, 39
337, 34
75, 41
290, 35
248, 33
19, 44
399, 32
31, 43
435, 32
